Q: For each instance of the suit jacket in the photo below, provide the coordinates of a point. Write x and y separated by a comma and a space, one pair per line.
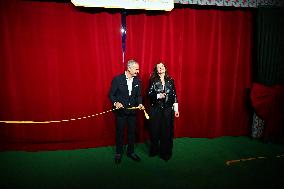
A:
119, 93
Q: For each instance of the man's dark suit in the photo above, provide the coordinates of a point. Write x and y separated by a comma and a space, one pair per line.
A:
119, 93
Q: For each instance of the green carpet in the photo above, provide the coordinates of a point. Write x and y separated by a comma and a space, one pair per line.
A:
196, 163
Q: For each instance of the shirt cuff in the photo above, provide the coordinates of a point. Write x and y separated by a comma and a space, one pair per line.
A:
175, 107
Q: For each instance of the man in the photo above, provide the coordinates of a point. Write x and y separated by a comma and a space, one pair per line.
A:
125, 92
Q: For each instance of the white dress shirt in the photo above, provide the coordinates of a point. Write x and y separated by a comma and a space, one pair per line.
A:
129, 84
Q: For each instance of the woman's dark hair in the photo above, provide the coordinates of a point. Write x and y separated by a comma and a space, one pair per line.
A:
155, 76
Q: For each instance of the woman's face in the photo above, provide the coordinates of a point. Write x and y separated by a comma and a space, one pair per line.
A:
161, 68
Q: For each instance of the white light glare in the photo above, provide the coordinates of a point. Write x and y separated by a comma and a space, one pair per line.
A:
123, 30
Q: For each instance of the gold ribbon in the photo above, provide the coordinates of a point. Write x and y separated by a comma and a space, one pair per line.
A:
249, 159
145, 113
72, 119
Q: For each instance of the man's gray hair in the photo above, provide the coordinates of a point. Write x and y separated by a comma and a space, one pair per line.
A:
131, 62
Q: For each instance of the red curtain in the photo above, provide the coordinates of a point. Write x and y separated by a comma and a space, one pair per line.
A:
268, 103
56, 63
208, 53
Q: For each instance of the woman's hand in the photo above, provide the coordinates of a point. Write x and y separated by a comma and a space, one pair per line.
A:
177, 114
162, 95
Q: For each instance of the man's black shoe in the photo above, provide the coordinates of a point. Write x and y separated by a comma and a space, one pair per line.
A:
117, 158
135, 157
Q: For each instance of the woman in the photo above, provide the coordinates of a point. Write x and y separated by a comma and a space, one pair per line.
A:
164, 106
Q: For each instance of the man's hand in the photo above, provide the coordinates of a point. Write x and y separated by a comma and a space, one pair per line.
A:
141, 107
118, 105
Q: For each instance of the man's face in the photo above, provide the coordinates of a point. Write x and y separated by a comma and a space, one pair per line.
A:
161, 68
134, 70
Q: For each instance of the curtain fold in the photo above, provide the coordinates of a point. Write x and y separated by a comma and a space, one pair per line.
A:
56, 63
208, 53
268, 103
269, 66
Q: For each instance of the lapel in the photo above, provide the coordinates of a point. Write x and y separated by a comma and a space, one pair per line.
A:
166, 85
134, 85
124, 82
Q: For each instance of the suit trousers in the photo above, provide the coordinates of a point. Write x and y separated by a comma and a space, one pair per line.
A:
121, 121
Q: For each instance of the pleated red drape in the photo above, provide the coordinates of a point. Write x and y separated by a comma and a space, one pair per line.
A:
208, 53
57, 62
